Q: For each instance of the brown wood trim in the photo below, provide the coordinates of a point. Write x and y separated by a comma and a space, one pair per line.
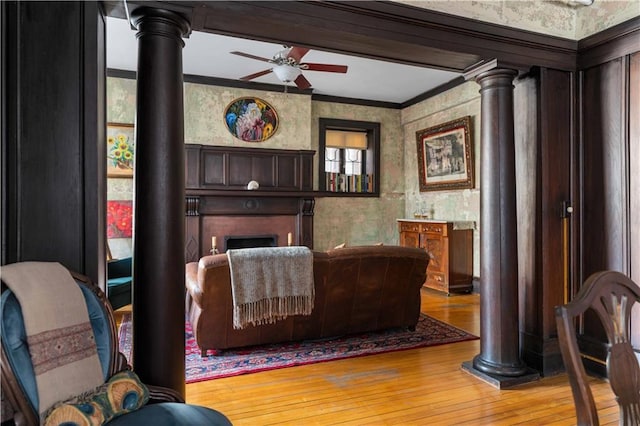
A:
615, 42
382, 30
254, 194
634, 159
355, 101
606, 36
117, 73
434, 92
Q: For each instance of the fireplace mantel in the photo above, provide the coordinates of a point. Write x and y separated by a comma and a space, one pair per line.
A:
219, 205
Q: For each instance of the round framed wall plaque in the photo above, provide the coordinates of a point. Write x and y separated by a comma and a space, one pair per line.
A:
251, 119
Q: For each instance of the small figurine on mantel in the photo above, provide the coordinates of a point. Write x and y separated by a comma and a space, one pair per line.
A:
214, 246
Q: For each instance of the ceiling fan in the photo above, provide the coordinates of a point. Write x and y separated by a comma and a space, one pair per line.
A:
288, 68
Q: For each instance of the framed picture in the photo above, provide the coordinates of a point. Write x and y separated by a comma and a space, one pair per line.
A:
119, 218
120, 150
251, 119
445, 156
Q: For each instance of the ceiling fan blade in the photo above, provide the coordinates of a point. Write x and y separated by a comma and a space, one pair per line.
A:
302, 82
250, 56
256, 75
324, 67
297, 53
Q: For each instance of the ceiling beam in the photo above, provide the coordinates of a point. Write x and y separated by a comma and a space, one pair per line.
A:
373, 29
385, 31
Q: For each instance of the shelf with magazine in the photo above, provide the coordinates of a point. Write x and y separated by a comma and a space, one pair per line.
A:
349, 158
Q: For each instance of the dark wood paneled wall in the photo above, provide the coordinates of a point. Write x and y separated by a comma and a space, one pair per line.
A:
609, 164
604, 163
231, 168
544, 288
53, 186
634, 179
587, 155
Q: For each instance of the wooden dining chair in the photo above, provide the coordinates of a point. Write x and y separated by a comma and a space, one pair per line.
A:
611, 295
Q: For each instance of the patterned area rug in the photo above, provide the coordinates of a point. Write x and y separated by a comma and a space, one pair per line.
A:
429, 332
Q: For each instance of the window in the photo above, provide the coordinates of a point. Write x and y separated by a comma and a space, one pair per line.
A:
349, 157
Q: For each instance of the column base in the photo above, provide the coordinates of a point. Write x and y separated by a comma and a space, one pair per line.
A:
501, 382
509, 370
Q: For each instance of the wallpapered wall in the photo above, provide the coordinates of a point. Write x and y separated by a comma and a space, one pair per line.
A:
204, 108
359, 221
548, 17
457, 205
337, 220
121, 108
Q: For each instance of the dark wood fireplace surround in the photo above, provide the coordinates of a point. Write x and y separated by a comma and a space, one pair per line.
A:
218, 203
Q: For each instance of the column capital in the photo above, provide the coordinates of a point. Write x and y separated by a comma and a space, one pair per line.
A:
491, 67
149, 20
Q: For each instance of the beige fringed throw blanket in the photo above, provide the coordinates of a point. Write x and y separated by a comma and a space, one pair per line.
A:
270, 283
61, 341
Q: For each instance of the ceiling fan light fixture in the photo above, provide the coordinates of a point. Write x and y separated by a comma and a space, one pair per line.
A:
577, 3
286, 73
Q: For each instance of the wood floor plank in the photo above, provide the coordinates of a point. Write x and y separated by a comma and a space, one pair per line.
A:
414, 387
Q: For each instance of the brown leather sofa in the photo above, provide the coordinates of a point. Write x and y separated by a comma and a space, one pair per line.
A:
357, 289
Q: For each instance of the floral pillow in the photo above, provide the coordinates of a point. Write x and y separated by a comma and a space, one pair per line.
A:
121, 394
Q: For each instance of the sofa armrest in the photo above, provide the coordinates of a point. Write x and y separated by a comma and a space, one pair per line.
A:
196, 274
213, 261
194, 292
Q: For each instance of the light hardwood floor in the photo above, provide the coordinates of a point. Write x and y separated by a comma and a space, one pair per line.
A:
415, 387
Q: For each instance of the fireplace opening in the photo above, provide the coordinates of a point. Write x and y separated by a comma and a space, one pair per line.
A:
249, 241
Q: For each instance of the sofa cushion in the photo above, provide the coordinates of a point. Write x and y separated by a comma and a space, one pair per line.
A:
116, 282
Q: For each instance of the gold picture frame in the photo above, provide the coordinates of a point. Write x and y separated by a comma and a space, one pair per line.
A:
251, 119
120, 150
445, 156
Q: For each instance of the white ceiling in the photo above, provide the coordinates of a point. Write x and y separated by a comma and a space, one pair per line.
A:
208, 55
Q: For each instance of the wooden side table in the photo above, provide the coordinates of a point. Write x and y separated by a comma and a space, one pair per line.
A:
451, 249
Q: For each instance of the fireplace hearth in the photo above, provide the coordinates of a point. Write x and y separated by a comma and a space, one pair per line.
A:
249, 241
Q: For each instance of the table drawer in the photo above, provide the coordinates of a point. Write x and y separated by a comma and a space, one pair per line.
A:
435, 228
410, 227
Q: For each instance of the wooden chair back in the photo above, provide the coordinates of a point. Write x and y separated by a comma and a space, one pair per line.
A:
611, 295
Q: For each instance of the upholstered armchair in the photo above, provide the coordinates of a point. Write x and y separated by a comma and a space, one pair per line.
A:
119, 280
119, 398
